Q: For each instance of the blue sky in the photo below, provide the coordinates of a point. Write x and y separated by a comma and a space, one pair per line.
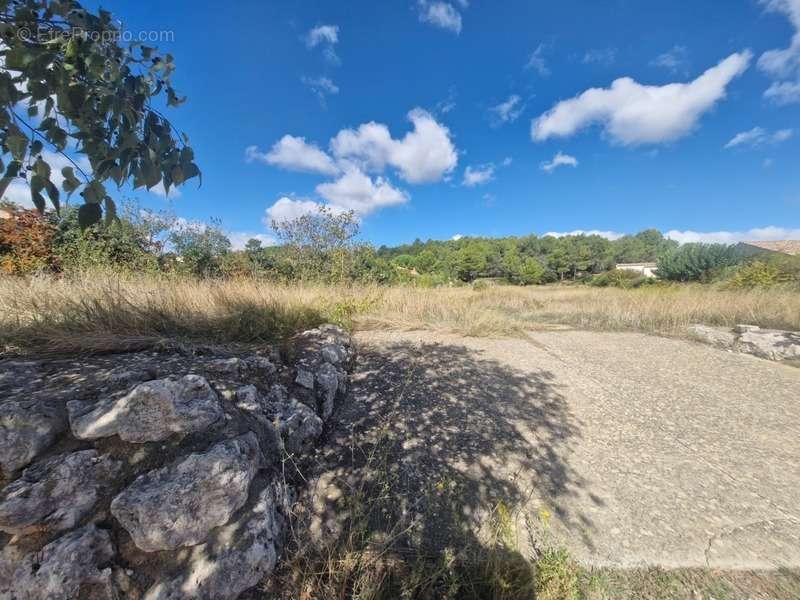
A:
436, 119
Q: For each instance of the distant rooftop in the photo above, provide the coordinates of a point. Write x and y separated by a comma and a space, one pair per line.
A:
791, 247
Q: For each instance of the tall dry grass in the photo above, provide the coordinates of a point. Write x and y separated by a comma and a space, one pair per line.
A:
504, 310
103, 312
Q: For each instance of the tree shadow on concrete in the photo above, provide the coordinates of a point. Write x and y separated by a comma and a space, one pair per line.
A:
439, 450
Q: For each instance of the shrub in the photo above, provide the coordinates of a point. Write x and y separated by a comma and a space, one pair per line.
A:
767, 270
621, 278
26, 242
124, 244
697, 262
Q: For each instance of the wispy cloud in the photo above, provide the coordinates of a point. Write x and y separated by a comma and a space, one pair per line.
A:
604, 57
559, 160
326, 37
758, 136
783, 64
441, 14
478, 175
536, 61
322, 87
507, 111
674, 60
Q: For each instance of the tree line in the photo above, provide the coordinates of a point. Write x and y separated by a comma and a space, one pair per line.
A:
324, 246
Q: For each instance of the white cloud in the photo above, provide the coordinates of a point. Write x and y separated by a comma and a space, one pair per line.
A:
758, 136
478, 176
632, 113
508, 111
604, 57
783, 63
294, 154
287, 209
611, 235
537, 62
240, 238
457, 237
325, 36
440, 14
321, 86
358, 192
559, 160
424, 155
764, 234
507, 161
673, 60
783, 92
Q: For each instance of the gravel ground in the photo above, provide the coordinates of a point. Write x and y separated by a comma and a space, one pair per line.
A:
629, 450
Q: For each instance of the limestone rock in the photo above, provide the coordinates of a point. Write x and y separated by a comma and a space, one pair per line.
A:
305, 378
55, 494
152, 411
181, 503
236, 557
298, 426
63, 566
750, 339
248, 399
260, 365
770, 344
327, 384
721, 338
26, 429
227, 366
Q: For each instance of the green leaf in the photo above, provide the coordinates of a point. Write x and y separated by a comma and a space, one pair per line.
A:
17, 142
71, 183
52, 192
89, 214
94, 192
4, 183
41, 168
38, 200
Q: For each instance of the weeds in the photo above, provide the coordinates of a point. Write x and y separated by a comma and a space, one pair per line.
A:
98, 313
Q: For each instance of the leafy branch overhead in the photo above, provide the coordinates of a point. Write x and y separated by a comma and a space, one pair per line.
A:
68, 86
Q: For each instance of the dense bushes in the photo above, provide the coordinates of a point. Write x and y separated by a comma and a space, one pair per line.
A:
26, 242
766, 270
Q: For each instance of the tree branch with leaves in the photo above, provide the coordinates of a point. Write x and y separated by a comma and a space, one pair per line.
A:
86, 93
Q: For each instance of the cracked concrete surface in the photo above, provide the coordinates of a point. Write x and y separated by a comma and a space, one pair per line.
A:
645, 450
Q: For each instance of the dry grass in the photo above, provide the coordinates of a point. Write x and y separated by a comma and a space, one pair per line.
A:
508, 310
103, 312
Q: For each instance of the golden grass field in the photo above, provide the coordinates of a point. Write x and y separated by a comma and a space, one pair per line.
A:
104, 312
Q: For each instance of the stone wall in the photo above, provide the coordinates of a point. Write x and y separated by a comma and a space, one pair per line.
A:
159, 475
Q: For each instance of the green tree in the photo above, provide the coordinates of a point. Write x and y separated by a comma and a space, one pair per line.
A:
66, 81
697, 262
470, 261
320, 244
201, 248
